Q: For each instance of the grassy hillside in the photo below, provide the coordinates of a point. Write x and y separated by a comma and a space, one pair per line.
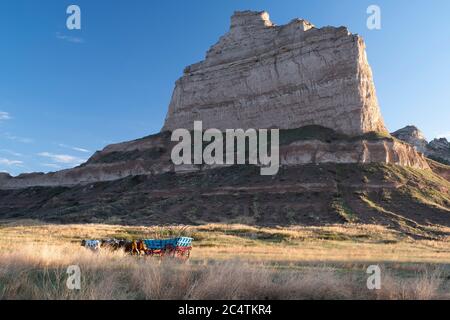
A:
416, 202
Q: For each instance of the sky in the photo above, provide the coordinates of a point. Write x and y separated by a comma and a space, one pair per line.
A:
65, 94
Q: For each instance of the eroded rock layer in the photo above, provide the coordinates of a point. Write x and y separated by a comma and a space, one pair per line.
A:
151, 156
260, 75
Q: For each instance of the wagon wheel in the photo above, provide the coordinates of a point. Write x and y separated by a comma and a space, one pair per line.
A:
169, 251
183, 255
161, 254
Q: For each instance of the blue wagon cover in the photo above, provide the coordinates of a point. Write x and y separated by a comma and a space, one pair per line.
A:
162, 244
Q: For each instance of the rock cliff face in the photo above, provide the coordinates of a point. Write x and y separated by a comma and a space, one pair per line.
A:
260, 75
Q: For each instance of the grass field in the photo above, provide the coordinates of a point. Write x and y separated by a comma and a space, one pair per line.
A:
227, 262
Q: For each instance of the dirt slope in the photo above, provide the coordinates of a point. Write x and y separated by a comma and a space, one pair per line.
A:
414, 201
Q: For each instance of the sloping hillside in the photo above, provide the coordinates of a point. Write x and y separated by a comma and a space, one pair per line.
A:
414, 201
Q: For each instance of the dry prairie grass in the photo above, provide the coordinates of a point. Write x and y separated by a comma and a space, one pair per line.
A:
39, 272
228, 262
336, 243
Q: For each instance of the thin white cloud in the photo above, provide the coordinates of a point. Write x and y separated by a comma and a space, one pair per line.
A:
9, 136
12, 153
74, 148
69, 38
4, 116
9, 163
80, 149
62, 158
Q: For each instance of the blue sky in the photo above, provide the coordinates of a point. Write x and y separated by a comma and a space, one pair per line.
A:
66, 93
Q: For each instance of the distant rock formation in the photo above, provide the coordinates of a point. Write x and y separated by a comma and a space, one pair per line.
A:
413, 136
260, 75
438, 149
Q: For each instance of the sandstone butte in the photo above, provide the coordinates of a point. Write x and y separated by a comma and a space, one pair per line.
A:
259, 75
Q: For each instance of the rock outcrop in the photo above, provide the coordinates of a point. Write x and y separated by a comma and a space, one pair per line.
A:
438, 149
151, 156
413, 136
260, 75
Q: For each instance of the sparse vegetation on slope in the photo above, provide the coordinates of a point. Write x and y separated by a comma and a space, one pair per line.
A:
309, 195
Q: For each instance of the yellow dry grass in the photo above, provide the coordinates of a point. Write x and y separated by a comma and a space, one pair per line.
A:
227, 262
336, 243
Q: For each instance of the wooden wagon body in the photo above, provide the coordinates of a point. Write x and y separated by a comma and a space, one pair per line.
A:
176, 247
